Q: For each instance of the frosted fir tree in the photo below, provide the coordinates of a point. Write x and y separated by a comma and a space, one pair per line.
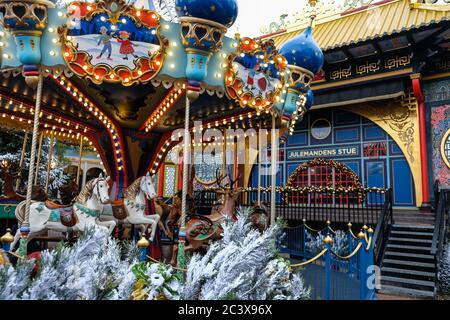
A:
94, 268
244, 265
14, 281
57, 177
315, 243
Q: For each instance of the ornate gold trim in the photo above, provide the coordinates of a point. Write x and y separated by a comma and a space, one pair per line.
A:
443, 142
29, 7
110, 74
235, 87
362, 79
399, 119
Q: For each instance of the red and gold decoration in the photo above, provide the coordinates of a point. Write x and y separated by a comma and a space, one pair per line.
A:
112, 41
340, 167
255, 74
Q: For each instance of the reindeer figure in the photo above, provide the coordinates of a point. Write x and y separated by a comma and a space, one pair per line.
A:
201, 229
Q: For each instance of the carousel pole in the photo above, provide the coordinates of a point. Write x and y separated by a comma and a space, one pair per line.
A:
274, 167
199, 51
50, 158
38, 158
25, 226
259, 163
22, 157
181, 259
80, 158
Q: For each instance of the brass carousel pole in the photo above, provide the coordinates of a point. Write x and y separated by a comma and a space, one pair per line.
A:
25, 226
80, 159
50, 158
181, 258
259, 163
22, 157
38, 158
274, 167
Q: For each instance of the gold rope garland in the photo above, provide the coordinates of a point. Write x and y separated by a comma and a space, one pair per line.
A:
351, 255
309, 261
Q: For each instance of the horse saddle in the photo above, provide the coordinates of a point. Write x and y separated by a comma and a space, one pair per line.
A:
66, 214
118, 210
201, 230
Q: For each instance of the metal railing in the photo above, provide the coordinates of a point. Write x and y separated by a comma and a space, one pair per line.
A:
336, 265
383, 229
360, 206
440, 228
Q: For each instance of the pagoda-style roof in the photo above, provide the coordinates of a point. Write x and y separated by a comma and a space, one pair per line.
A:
383, 18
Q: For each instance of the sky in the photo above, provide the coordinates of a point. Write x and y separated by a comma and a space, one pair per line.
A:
253, 14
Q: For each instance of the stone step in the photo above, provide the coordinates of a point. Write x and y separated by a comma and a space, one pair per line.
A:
421, 283
412, 227
409, 263
387, 289
410, 255
408, 272
405, 247
423, 241
412, 233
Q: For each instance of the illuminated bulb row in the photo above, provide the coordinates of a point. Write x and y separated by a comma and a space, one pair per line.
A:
88, 105
159, 157
298, 113
23, 109
163, 108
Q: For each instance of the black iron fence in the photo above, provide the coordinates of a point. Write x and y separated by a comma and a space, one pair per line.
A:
441, 224
359, 205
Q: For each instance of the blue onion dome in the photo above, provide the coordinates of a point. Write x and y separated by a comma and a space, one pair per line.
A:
309, 99
303, 51
224, 12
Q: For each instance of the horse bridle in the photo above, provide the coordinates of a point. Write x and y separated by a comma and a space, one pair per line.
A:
97, 183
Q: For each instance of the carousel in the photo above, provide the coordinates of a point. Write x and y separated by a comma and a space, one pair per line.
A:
138, 88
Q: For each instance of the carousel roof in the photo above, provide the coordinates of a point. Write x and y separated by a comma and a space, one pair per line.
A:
377, 20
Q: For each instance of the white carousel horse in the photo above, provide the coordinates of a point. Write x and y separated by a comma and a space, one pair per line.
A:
86, 210
134, 202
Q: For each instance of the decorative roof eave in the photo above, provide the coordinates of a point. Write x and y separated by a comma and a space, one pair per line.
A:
431, 7
168, 82
410, 16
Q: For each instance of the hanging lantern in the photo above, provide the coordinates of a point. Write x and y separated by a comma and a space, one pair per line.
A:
26, 21
203, 24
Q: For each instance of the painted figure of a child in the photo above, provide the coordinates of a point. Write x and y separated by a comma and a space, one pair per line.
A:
105, 39
126, 46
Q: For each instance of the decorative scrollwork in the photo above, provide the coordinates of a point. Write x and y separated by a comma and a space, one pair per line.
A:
25, 14
202, 34
112, 24
255, 74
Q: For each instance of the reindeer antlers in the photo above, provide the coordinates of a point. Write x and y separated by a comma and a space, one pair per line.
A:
219, 179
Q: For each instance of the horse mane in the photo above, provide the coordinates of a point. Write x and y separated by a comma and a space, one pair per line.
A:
133, 190
86, 192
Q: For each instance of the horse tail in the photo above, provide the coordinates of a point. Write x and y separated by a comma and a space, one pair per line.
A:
20, 212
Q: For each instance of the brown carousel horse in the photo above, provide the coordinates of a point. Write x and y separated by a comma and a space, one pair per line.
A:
8, 177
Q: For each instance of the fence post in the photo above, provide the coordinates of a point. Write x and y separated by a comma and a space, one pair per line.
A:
370, 266
350, 250
305, 234
362, 267
328, 242
6, 240
143, 245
